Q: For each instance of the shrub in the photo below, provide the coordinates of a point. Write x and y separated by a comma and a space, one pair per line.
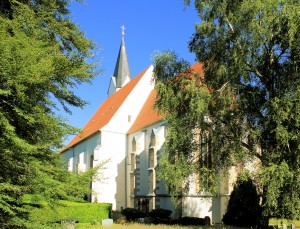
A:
243, 208
80, 212
160, 213
195, 221
132, 213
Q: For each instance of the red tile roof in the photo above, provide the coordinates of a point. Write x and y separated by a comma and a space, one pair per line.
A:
103, 115
148, 115
198, 68
106, 111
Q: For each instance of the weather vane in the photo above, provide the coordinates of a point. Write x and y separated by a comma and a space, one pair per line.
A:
123, 30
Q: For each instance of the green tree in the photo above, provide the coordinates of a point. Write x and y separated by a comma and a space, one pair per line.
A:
42, 58
243, 208
250, 52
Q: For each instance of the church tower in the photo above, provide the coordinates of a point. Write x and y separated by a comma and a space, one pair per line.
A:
121, 74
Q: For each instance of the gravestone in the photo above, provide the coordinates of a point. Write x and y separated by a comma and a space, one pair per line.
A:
107, 222
68, 223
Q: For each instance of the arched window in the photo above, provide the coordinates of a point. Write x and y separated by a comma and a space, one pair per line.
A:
91, 160
133, 145
152, 139
151, 161
150, 181
205, 156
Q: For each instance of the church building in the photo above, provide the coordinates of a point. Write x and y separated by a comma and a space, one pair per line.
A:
128, 133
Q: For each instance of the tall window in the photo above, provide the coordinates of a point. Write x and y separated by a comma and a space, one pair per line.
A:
133, 145
133, 156
150, 182
152, 140
91, 160
151, 158
132, 184
91, 166
205, 158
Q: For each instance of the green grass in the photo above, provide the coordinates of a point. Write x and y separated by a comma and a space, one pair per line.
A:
285, 221
143, 226
133, 226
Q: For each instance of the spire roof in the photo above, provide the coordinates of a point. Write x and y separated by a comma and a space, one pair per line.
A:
122, 67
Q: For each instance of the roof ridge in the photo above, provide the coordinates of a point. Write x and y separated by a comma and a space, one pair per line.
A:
148, 115
106, 111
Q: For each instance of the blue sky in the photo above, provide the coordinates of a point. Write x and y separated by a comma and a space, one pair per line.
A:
151, 26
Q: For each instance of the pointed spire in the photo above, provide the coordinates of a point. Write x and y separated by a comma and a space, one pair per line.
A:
122, 71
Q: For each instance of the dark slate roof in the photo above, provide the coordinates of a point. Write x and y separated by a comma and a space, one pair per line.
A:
122, 67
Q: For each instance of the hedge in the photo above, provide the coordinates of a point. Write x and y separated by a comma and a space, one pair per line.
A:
79, 212
132, 213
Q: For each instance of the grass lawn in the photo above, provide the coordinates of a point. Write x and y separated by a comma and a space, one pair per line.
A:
284, 221
143, 226
127, 226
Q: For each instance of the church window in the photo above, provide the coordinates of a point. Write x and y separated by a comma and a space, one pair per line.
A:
133, 145
150, 181
132, 162
143, 205
205, 151
151, 161
205, 156
132, 184
132, 155
70, 164
91, 161
77, 159
81, 158
152, 140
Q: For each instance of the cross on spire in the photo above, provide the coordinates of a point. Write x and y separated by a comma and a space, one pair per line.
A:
123, 30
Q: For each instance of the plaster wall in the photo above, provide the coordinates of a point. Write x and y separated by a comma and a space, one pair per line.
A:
127, 113
81, 153
111, 189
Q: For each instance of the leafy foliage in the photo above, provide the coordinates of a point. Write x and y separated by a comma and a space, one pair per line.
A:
132, 213
250, 53
195, 221
184, 104
160, 213
243, 208
80, 212
43, 57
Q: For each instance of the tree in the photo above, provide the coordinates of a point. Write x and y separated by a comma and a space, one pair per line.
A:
43, 57
250, 52
243, 208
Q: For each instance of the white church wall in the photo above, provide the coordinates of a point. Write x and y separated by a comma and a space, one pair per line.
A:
112, 188
136, 160
193, 205
142, 179
68, 159
127, 113
197, 207
84, 155
143, 146
76, 157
